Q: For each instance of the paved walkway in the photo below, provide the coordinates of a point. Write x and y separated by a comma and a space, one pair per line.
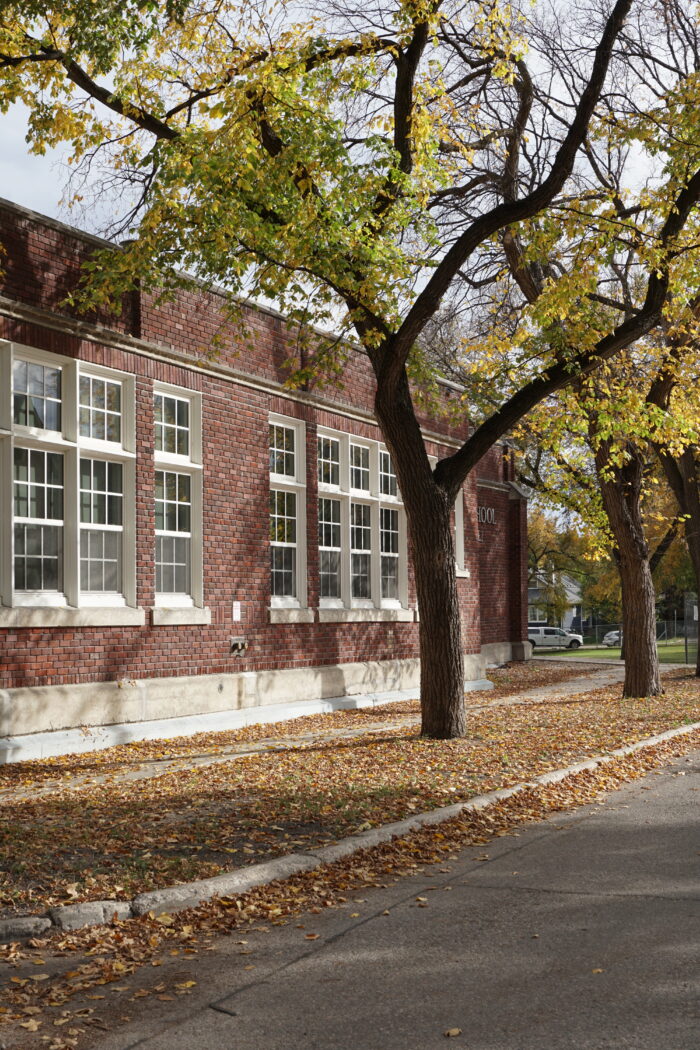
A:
146, 769
579, 933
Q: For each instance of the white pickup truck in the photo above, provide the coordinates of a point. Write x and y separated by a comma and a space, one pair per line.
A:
553, 637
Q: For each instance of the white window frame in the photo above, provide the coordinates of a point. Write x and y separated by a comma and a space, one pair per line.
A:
460, 548
294, 483
72, 446
375, 499
191, 465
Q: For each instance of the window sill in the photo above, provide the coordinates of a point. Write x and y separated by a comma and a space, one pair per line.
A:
161, 617
95, 616
291, 615
365, 615
463, 574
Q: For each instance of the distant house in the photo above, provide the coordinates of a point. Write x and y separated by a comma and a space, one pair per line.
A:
182, 534
541, 606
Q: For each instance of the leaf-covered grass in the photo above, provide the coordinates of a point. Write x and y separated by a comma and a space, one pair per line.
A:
673, 653
116, 838
115, 761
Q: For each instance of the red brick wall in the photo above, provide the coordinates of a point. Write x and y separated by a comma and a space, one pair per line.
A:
41, 266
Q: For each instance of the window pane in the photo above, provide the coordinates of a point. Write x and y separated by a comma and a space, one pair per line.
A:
360, 571
328, 461
359, 467
183, 488
99, 475
99, 430
283, 574
114, 477
52, 382
19, 376
282, 451
52, 415
38, 557
21, 463
173, 565
37, 467
114, 397
20, 410
54, 507
114, 428
37, 395
35, 379
55, 468
329, 574
114, 510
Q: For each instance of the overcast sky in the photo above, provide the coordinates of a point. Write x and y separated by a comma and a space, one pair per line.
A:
35, 182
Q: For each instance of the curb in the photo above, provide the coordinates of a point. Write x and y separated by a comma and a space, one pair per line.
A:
190, 894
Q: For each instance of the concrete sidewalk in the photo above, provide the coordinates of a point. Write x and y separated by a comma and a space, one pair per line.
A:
580, 932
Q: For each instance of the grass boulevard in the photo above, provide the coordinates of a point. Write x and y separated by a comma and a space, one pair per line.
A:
114, 823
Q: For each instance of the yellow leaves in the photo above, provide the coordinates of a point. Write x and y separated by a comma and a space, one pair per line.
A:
32, 1025
450, 1033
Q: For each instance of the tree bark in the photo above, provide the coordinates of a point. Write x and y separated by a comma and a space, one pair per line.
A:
428, 505
620, 487
443, 714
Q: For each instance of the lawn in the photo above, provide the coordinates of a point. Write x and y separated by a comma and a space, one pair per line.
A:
77, 828
668, 654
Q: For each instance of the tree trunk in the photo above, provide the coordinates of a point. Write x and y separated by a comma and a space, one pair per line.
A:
639, 626
620, 487
428, 506
441, 663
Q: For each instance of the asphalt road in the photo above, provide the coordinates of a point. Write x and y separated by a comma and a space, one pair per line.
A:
582, 932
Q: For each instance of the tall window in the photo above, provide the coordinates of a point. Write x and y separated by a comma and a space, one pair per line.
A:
101, 525
287, 522
38, 528
389, 545
173, 532
178, 481
283, 543
361, 550
330, 547
66, 447
361, 525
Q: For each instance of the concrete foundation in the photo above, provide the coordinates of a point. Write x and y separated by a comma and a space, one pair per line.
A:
52, 720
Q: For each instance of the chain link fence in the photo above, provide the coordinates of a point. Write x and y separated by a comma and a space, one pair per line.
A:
691, 628
677, 639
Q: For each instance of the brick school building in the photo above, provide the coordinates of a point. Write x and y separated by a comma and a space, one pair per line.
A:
181, 534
